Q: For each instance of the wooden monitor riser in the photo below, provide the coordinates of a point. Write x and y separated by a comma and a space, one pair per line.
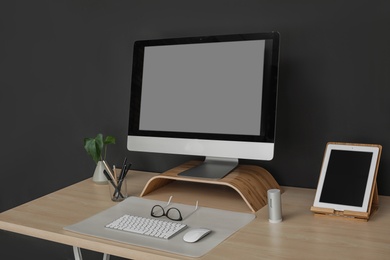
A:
251, 182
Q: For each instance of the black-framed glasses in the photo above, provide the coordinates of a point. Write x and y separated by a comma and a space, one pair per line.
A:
172, 213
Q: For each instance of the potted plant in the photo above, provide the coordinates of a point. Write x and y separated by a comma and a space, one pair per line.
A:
97, 148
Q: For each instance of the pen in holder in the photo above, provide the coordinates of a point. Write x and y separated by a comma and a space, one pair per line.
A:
118, 192
118, 184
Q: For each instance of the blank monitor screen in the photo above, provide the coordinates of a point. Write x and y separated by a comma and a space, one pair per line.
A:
184, 84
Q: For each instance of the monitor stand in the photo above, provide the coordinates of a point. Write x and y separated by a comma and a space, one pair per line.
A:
251, 182
212, 168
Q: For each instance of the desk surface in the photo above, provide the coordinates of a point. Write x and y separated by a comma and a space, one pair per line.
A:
301, 235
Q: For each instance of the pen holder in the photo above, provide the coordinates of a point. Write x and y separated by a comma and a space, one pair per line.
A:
118, 192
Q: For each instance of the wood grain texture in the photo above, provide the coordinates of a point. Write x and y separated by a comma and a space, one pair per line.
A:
250, 181
301, 235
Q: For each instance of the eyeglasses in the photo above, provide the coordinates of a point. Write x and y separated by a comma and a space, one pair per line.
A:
172, 213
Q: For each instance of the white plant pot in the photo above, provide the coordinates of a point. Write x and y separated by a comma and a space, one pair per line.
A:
98, 175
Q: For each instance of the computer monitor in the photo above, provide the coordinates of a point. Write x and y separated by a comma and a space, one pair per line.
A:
212, 96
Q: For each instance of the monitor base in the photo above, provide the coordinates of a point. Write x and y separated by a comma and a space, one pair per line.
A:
212, 168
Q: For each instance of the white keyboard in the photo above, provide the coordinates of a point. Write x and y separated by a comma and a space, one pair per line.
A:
147, 226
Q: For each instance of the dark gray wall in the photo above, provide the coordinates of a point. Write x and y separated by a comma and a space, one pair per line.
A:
65, 74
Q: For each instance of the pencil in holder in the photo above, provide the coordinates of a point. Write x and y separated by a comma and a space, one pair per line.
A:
118, 190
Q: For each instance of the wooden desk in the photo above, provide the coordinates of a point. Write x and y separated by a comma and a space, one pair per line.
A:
301, 235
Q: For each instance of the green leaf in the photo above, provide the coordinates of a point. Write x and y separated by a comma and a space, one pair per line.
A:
99, 142
92, 148
109, 140
95, 146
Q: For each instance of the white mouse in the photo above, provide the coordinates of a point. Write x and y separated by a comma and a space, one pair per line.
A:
196, 234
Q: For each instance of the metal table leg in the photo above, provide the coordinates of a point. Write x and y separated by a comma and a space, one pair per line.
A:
106, 257
79, 256
77, 253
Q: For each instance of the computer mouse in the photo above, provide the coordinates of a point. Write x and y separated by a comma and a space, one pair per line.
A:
196, 234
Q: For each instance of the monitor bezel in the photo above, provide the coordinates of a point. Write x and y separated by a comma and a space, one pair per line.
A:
268, 117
